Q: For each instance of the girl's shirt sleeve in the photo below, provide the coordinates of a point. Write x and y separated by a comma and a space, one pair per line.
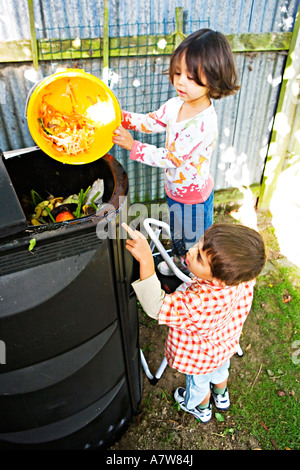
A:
149, 123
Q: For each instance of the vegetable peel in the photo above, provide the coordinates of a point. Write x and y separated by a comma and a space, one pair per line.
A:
32, 244
70, 133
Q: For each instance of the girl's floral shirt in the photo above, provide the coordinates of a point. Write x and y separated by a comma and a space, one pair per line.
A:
187, 152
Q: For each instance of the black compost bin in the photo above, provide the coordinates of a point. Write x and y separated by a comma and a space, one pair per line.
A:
68, 317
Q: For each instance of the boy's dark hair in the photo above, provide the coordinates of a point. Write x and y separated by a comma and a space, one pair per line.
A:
208, 52
236, 253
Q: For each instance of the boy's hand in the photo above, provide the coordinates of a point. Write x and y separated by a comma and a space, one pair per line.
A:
140, 249
123, 138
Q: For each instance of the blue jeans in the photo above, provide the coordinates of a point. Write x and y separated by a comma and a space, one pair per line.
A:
188, 223
197, 386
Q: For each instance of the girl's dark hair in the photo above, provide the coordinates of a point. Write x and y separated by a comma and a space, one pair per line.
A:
208, 52
236, 253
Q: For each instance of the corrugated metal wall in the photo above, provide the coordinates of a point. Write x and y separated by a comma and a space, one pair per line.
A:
245, 120
227, 16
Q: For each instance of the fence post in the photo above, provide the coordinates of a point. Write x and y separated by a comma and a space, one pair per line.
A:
105, 74
283, 121
179, 36
34, 46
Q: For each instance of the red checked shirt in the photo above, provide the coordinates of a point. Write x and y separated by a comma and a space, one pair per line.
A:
205, 323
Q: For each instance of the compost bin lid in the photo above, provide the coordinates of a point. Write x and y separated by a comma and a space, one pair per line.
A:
12, 217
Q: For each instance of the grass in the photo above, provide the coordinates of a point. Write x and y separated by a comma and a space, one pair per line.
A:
268, 406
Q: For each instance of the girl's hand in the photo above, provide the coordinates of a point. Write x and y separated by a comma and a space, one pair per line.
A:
123, 138
140, 250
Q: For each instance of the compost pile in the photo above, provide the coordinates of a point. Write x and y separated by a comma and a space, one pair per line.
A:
61, 208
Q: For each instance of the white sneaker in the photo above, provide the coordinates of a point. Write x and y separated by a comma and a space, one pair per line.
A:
164, 269
222, 402
203, 415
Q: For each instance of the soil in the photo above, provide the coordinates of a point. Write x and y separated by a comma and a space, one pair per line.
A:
159, 425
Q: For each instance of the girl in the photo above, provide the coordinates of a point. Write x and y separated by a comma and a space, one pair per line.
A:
201, 69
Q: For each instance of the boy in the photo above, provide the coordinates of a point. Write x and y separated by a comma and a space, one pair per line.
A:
205, 321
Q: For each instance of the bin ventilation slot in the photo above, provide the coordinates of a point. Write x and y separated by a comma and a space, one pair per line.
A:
58, 249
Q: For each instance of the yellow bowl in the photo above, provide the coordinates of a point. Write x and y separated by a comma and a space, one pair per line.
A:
93, 99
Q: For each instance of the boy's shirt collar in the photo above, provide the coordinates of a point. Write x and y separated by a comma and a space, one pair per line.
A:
213, 283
